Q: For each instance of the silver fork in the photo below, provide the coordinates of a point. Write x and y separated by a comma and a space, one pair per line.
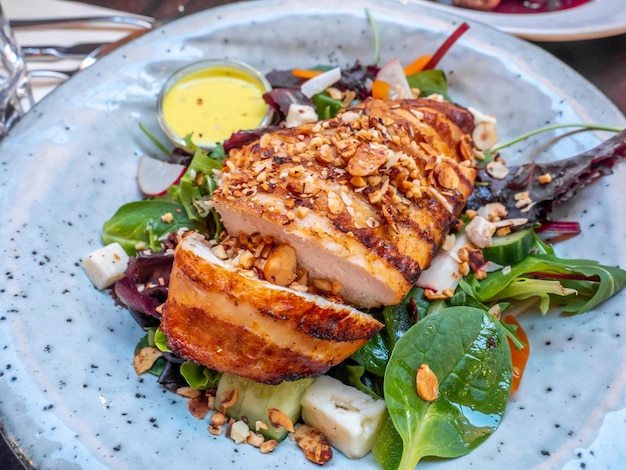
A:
89, 60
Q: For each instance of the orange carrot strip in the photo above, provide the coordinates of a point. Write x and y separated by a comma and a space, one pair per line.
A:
417, 65
519, 357
306, 73
380, 90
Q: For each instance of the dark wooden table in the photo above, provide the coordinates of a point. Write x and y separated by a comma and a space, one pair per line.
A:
601, 61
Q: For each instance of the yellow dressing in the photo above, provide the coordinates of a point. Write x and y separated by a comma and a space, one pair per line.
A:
213, 103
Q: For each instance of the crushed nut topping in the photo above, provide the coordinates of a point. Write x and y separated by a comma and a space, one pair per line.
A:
427, 383
239, 432
377, 148
314, 444
268, 446
198, 406
545, 178
278, 419
260, 257
144, 359
229, 398
485, 135
522, 199
497, 169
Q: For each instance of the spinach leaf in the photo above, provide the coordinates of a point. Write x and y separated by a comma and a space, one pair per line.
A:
430, 82
399, 318
576, 285
373, 355
468, 352
388, 445
140, 223
356, 376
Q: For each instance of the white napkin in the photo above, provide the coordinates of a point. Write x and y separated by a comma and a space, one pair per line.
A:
24, 9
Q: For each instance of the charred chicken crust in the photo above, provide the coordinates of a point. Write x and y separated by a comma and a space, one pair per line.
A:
365, 199
229, 322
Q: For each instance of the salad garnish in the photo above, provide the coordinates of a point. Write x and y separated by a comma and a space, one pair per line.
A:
437, 377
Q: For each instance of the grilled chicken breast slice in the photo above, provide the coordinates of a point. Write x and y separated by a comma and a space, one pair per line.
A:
366, 198
226, 319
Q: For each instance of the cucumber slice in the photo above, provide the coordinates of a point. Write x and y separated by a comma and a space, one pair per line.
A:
255, 399
510, 249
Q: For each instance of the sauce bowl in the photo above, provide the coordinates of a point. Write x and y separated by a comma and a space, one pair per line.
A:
210, 100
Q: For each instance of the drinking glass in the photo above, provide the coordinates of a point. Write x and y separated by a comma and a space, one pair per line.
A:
16, 96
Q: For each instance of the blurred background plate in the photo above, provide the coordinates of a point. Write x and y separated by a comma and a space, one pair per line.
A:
595, 19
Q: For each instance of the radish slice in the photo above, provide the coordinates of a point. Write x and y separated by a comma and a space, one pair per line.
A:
155, 176
393, 74
318, 84
443, 272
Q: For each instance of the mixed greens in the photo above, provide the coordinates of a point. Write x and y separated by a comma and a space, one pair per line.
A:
471, 348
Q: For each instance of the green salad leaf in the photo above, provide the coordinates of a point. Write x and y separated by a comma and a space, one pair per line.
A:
197, 185
400, 318
199, 377
373, 355
468, 352
430, 82
142, 224
574, 285
148, 341
326, 107
160, 340
388, 446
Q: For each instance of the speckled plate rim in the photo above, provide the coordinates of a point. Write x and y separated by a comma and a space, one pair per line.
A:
69, 397
596, 19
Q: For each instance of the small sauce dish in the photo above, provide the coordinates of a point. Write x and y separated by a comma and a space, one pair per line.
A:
211, 100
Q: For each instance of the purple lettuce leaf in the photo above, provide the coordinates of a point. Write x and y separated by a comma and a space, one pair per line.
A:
242, 138
358, 78
568, 177
152, 272
283, 79
279, 100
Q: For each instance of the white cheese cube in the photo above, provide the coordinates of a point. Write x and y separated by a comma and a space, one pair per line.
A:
349, 418
106, 265
300, 114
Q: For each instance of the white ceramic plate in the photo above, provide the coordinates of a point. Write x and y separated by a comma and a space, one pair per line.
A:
598, 18
69, 397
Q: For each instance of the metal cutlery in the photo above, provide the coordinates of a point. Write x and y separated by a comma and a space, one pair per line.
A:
74, 51
141, 22
89, 59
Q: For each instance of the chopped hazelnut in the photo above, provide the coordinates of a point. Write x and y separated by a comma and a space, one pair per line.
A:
314, 444
545, 178
144, 359
281, 265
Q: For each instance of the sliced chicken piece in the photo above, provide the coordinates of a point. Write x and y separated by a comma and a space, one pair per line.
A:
226, 318
365, 198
